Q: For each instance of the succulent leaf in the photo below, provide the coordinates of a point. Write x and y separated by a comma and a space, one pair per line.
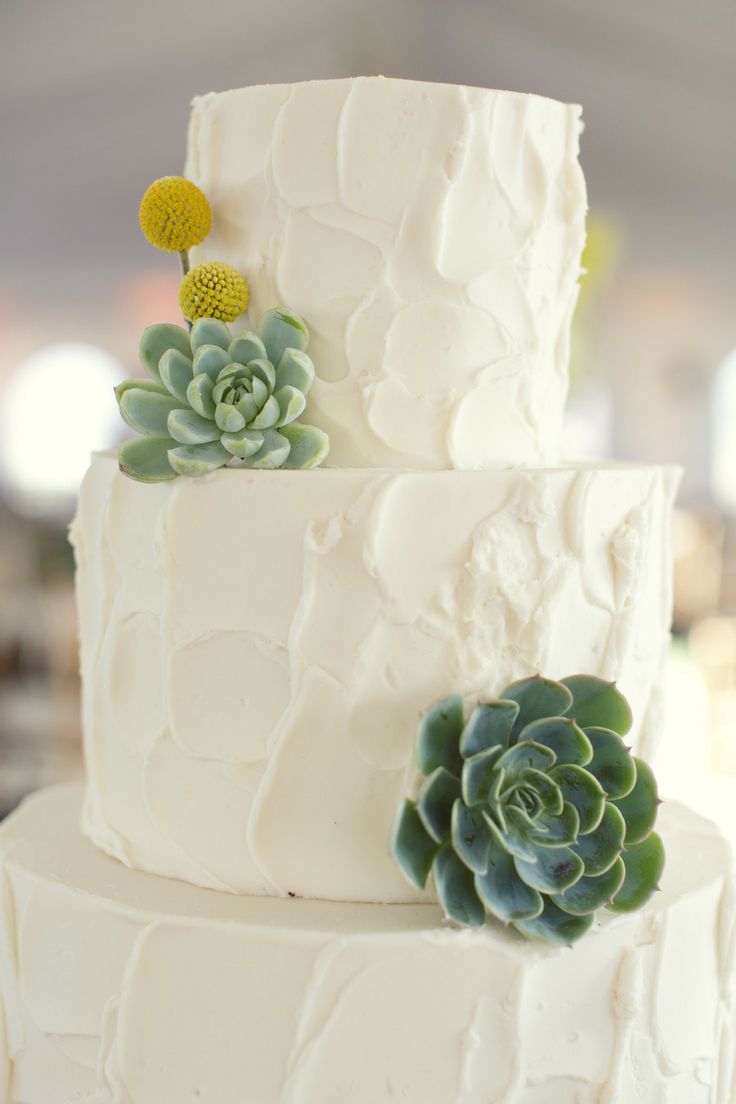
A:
228, 419
153, 386
295, 369
526, 756
272, 453
147, 411
244, 444
437, 795
584, 792
224, 385
494, 811
265, 372
612, 763
210, 331
281, 330
156, 340
228, 376
639, 808
438, 738
537, 697
259, 389
489, 726
268, 416
413, 847
147, 459
247, 346
600, 848
502, 891
555, 927
210, 359
554, 870
175, 370
516, 835
291, 404
549, 793
199, 395
598, 704
471, 836
189, 428
562, 735
561, 830
309, 446
248, 407
456, 890
644, 863
196, 460
479, 774
591, 893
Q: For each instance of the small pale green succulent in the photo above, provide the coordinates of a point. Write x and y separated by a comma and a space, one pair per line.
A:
533, 811
213, 397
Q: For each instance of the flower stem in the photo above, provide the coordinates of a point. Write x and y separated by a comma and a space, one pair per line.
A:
184, 259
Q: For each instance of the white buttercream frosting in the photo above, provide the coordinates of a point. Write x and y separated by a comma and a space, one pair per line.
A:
257, 647
431, 236
120, 987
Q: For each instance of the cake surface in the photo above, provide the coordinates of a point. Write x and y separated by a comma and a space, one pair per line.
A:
272, 663
430, 233
126, 987
257, 649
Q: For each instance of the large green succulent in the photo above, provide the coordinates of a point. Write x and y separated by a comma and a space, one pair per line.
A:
533, 810
213, 397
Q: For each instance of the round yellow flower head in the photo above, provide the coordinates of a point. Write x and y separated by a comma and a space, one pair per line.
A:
213, 290
174, 214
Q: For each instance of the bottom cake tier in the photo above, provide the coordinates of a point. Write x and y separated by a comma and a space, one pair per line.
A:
124, 988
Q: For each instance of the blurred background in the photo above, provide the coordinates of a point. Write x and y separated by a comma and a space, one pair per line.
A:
94, 105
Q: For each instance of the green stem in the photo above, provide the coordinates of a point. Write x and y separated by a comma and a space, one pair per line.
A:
184, 259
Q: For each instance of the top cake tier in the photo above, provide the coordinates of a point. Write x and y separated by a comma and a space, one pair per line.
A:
431, 236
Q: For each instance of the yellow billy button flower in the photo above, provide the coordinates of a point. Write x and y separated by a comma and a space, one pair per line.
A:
213, 290
174, 214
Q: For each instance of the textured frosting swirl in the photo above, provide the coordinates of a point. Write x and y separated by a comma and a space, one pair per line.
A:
430, 234
117, 986
257, 647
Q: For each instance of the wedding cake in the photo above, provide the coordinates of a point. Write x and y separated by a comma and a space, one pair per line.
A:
233, 923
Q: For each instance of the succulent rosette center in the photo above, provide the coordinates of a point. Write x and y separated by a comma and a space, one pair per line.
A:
532, 810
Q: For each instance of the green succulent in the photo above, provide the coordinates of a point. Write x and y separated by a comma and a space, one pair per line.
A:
213, 397
533, 810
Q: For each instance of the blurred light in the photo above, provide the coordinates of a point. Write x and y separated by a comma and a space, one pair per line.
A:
56, 409
9, 307
151, 296
588, 424
723, 456
686, 711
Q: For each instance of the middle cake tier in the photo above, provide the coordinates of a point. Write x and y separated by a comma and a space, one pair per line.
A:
257, 647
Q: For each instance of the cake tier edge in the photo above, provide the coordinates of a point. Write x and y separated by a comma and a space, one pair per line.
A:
257, 648
122, 986
430, 234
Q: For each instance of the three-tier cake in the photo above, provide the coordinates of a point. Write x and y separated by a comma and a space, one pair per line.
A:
257, 648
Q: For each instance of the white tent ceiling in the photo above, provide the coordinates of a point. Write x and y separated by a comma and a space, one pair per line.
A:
95, 93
